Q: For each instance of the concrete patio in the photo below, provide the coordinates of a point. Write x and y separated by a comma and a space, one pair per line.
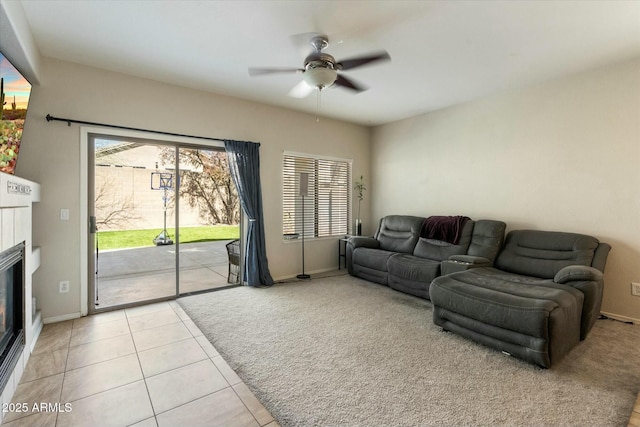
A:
139, 274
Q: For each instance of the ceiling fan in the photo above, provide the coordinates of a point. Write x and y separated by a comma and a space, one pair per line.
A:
321, 70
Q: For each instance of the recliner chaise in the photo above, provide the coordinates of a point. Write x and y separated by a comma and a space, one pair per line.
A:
542, 297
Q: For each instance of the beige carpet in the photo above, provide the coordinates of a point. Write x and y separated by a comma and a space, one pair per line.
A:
342, 351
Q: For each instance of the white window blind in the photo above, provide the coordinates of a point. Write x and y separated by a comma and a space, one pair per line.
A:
327, 204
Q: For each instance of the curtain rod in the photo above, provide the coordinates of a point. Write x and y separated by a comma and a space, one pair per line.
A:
49, 118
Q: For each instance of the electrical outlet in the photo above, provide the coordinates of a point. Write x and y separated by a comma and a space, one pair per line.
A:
635, 289
64, 286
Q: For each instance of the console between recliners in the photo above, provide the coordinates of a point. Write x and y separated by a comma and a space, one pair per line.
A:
401, 256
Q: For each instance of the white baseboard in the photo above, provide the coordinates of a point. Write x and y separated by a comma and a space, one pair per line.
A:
37, 328
62, 318
621, 318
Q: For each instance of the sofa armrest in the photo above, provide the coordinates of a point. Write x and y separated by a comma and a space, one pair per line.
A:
577, 273
363, 242
589, 281
358, 242
457, 263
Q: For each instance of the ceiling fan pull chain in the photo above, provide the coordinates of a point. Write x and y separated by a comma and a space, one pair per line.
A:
318, 105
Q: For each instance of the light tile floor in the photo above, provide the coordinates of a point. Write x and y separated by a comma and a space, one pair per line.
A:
144, 366
634, 420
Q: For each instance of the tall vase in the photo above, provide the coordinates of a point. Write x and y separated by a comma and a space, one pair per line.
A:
358, 227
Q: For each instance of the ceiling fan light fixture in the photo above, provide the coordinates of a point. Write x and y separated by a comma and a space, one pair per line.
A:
320, 78
321, 69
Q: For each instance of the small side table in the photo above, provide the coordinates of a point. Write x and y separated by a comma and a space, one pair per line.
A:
342, 251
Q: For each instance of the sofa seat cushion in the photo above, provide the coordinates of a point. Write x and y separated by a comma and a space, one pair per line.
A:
412, 274
376, 259
371, 264
531, 318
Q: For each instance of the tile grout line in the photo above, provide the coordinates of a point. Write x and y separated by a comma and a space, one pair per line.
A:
176, 368
193, 400
144, 378
96, 363
155, 414
229, 385
232, 386
194, 334
93, 364
31, 414
245, 405
64, 373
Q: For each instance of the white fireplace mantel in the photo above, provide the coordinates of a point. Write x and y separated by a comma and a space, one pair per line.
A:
17, 196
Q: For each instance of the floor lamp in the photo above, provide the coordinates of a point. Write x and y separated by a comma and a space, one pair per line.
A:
304, 189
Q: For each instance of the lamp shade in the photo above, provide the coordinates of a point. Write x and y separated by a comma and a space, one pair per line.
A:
320, 77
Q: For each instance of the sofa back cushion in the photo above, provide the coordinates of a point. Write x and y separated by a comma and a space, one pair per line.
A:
487, 239
399, 233
544, 253
439, 250
600, 258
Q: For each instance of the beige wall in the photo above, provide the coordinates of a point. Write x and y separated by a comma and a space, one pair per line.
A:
564, 156
50, 155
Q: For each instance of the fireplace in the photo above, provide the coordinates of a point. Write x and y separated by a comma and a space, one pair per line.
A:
12, 339
20, 321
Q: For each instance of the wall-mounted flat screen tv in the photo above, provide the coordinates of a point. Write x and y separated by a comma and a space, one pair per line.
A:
14, 97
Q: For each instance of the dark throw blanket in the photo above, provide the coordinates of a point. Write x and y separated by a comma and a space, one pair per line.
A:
445, 228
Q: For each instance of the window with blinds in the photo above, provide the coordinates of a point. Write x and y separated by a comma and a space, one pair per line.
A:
325, 209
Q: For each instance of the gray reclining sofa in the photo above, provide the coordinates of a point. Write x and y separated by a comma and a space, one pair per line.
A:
401, 256
542, 297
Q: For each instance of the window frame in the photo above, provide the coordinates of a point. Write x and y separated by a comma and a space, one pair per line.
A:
320, 170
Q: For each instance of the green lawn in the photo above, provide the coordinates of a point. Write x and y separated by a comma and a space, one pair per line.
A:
138, 238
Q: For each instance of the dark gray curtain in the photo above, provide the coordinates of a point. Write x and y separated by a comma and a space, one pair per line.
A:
244, 166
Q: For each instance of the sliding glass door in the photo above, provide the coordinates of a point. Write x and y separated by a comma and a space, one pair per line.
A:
161, 216
209, 220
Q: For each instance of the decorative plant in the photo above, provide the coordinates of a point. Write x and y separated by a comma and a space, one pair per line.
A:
359, 187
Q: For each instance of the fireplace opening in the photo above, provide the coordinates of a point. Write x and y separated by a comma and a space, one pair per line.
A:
11, 310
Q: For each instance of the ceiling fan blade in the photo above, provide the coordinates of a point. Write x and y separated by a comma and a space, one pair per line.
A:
301, 90
273, 70
349, 84
350, 63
